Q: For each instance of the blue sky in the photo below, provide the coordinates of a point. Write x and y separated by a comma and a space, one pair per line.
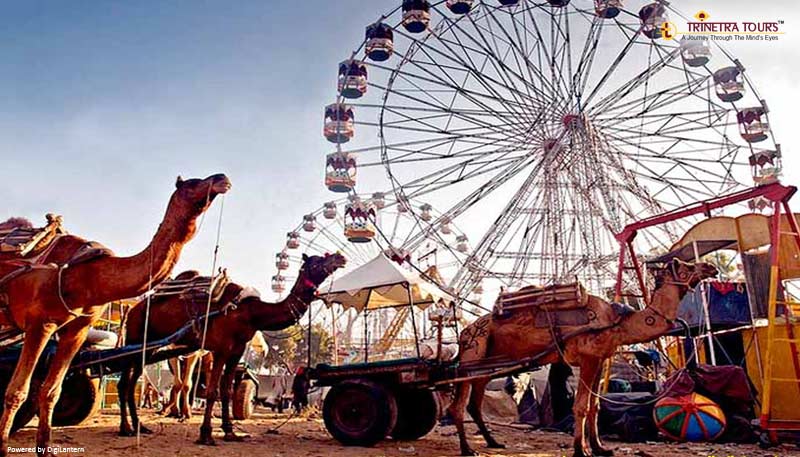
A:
104, 103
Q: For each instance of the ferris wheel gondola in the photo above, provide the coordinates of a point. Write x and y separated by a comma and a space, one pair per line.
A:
363, 226
545, 127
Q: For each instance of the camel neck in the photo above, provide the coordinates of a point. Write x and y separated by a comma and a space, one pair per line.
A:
656, 319
283, 314
114, 278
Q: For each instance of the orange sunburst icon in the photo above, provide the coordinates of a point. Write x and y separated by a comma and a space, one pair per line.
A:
702, 16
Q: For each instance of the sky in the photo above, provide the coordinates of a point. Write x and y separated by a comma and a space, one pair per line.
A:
104, 103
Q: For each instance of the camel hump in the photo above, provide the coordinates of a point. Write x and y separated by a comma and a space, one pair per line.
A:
188, 274
89, 251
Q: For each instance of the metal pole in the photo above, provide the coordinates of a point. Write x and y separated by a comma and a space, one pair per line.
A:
308, 341
335, 338
413, 319
366, 336
706, 311
740, 243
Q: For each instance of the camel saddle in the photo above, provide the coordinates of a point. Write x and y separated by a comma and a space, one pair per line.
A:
25, 240
193, 288
559, 305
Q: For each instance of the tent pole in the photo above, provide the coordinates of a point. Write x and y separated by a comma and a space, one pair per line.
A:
366, 336
413, 319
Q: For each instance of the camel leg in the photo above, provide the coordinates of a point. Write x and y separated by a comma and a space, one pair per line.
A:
474, 409
171, 407
132, 406
71, 339
17, 390
226, 392
123, 386
591, 420
186, 386
212, 385
589, 367
456, 410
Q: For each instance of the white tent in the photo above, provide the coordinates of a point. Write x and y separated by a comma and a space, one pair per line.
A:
382, 283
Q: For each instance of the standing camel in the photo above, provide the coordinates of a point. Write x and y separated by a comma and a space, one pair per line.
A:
517, 338
182, 369
227, 336
66, 299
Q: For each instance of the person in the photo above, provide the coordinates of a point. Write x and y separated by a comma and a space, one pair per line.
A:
300, 386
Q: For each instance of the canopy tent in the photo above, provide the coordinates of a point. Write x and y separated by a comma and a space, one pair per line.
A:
382, 283
744, 233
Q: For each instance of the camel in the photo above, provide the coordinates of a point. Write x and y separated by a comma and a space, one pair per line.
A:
516, 338
66, 299
227, 336
182, 369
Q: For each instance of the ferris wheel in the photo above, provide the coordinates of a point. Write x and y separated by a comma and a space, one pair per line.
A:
543, 127
363, 226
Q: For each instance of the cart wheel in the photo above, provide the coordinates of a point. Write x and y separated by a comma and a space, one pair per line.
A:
79, 400
243, 399
417, 412
359, 412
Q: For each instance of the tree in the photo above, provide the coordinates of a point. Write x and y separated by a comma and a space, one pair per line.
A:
290, 346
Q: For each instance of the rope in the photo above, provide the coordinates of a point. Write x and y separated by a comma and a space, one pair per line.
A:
274, 430
72, 313
210, 293
144, 341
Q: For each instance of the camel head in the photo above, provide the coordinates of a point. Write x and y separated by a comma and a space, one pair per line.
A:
198, 194
685, 274
317, 268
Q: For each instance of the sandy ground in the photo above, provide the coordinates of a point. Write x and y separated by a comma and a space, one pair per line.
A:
308, 437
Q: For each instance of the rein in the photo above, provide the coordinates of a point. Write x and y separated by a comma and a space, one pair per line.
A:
74, 314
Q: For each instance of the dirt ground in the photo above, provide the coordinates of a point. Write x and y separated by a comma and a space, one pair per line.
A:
308, 437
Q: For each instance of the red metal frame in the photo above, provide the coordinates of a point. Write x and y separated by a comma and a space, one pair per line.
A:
775, 192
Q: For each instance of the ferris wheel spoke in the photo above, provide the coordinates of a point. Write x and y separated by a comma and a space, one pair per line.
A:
632, 39
482, 101
504, 72
431, 184
520, 58
399, 120
691, 169
486, 101
660, 101
619, 94
581, 76
476, 72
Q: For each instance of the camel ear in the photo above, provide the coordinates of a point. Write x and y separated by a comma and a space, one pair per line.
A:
678, 268
305, 258
178, 182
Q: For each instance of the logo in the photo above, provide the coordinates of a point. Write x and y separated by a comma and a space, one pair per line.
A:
702, 16
668, 31
705, 29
